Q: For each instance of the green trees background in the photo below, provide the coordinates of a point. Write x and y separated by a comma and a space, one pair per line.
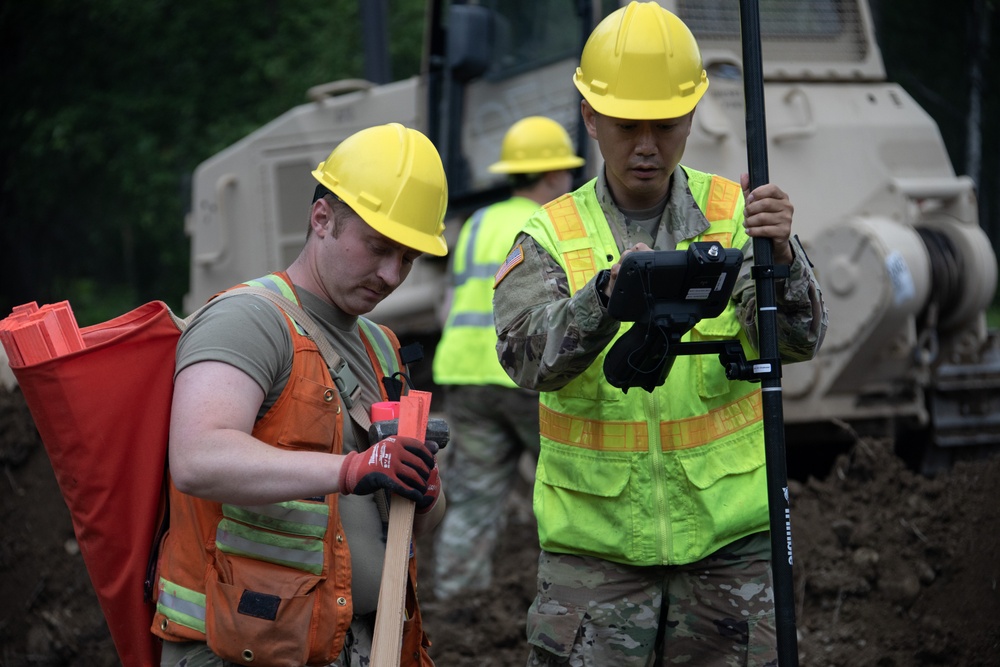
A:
108, 106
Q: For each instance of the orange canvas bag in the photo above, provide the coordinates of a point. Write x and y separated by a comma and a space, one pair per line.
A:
103, 415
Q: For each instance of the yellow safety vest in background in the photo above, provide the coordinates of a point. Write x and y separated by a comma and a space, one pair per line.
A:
643, 478
467, 351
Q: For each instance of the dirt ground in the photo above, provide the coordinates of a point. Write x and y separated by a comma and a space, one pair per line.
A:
892, 569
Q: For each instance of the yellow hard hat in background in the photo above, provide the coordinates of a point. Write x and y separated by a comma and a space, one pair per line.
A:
535, 144
392, 176
641, 63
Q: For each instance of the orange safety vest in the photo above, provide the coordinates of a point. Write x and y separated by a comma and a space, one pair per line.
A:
271, 584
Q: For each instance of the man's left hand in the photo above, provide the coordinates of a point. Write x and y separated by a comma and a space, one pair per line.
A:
768, 214
427, 503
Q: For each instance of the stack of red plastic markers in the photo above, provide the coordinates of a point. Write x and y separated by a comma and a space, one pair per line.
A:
31, 335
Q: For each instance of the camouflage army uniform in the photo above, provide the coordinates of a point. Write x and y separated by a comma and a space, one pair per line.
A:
590, 611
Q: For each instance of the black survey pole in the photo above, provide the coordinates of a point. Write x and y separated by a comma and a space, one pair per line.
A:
767, 331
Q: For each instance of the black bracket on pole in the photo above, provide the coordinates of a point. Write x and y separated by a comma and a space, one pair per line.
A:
779, 511
732, 359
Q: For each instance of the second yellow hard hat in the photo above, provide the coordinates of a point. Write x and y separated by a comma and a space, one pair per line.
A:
533, 145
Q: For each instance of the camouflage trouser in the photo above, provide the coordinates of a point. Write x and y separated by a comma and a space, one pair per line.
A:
718, 611
356, 653
491, 427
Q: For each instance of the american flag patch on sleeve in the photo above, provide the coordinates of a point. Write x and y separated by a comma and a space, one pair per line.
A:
515, 257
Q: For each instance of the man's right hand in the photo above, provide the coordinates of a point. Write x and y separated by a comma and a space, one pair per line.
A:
397, 463
638, 247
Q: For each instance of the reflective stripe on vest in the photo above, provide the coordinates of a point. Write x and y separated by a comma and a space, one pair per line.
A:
269, 533
470, 269
276, 284
294, 517
300, 553
382, 345
722, 198
181, 605
567, 222
633, 436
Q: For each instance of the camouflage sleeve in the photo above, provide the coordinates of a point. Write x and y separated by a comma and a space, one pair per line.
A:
545, 337
802, 314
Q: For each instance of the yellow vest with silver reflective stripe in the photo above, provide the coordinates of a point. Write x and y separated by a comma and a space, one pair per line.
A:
657, 478
467, 351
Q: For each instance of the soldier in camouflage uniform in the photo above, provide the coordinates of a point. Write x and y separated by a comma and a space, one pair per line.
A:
651, 507
493, 421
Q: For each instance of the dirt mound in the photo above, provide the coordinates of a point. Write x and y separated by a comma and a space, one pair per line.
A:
892, 569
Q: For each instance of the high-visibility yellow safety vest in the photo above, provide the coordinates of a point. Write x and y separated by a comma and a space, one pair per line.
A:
643, 478
467, 351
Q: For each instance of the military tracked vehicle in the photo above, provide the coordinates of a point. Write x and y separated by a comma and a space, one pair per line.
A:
893, 232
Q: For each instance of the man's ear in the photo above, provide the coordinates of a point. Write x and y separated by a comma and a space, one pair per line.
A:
320, 217
589, 118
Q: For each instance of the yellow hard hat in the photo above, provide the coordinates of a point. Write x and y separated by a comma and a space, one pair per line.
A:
393, 178
641, 63
533, 145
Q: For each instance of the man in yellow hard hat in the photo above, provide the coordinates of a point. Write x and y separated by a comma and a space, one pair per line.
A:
493, 422
275, 548
651, 505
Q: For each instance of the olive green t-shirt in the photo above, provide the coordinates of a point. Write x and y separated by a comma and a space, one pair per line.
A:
250, 333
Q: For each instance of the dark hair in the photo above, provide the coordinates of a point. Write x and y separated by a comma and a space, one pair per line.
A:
519, 181
341, 210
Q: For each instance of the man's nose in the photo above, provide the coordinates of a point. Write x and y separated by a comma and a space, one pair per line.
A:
645, 143
391, 271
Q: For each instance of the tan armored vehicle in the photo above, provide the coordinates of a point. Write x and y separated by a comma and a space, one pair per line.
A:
893, 232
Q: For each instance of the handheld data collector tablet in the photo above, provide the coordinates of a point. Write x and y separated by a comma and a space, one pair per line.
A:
665, 292
679, 287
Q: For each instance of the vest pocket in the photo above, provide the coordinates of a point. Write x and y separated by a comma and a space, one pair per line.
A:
583, 502
311, 416
711, 375
730, 483
258, 613
244, 626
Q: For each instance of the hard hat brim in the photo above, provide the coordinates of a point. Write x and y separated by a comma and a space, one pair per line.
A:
614, 107
381, 223
536, 166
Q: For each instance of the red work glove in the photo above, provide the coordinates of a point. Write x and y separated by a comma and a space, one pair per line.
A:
397, 463
427, 503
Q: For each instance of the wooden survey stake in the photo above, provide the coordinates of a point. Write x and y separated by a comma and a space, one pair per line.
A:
387, 643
